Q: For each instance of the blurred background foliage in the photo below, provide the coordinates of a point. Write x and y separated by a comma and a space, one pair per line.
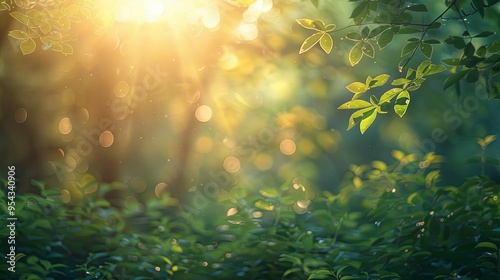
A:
130, 112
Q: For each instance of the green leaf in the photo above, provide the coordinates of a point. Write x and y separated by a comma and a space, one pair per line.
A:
457, 41
315, 3
67, 49
385, 38
434, 69
310, 42
402, 102
330, 27
426, 50
472, 76
409, 30
357, 87
495, 69
388, 95
356, 53
484, 34
378, 81
435, 25
432, 42
421, 68
355, 104
264, 205
408, 48
269, 192
487, 245
479, 6
378, 30
417, 8
22, 18
455, 78
494, 47
452, 61
27, 46
367, 121
368, 49
400, 81
354, 36
360, 11
357, 116
18, 34
307, 23
326, 43
319, 24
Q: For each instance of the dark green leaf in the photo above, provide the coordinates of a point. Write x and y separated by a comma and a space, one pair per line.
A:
487, 245
435, 25
354, 36
495, 69
360, 11
385, 38
472, 76
455, 78
485, 34
479, 6
452, 61
409, 30
432, 42
408, 48
494, 47
417, 8
457, 41
376, 31
426, 50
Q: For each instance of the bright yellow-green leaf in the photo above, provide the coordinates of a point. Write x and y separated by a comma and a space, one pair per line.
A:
330, 27
357, 116
357, 87
368, 49
28, 46
367, 121
66, 49
45, 27
378, 81
264, 205
177, 249
402, 102
269, 192
18, 34
22, 18
326, 43
310, 42
388, 95
4, 6
72, 10
356, 54
355, 104
307, 23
